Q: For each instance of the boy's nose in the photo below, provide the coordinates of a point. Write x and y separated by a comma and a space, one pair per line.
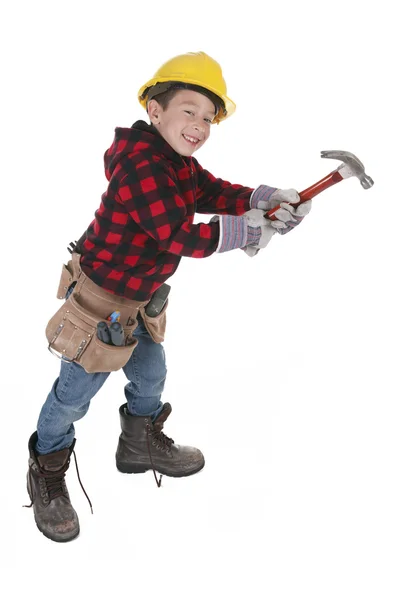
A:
199, 126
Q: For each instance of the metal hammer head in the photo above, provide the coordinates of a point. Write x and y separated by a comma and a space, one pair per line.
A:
353, 163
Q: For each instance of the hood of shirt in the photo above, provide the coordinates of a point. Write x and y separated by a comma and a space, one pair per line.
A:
141, 137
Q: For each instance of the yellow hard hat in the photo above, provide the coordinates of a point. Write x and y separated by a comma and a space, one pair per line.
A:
194, 69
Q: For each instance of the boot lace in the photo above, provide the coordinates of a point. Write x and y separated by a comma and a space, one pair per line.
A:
163, 442
55, 483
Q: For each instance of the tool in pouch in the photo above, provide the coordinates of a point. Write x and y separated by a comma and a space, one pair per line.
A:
157, 301
112, 333
103, 333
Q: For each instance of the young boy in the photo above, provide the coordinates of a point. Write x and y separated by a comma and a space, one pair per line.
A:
141, 230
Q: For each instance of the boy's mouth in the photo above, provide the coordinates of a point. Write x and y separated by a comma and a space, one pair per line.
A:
192, 140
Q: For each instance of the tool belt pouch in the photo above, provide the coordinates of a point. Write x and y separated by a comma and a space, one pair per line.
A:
69, 274
155, 326
72, 336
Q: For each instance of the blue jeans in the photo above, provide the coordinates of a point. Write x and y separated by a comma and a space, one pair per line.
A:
73, 390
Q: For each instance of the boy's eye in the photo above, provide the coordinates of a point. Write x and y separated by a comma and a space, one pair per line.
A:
190, 112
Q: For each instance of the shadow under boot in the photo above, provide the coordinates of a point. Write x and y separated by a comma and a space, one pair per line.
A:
54, 514
143, 446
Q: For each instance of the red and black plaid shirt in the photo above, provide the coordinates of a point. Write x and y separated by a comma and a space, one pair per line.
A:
144, 224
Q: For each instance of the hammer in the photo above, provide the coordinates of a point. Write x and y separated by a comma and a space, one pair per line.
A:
351, 167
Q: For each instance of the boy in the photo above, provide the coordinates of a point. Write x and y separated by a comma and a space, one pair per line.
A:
140, 232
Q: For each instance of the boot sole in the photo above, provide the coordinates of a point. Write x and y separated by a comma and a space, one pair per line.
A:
136, 469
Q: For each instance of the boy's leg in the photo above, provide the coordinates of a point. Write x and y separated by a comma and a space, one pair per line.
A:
50, 449
146, 371
142, 444
67, 402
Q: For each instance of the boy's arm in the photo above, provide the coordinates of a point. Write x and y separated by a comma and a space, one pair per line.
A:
152, 199
216, 196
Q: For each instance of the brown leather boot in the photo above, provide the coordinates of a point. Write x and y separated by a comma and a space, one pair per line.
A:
54, 514
142, 446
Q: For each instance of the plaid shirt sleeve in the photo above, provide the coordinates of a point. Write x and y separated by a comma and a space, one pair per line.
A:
216, 196
152, 198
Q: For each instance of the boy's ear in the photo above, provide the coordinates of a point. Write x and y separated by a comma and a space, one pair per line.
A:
153, 110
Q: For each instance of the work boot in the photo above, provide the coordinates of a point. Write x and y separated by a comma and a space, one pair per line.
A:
142, 446
54, 514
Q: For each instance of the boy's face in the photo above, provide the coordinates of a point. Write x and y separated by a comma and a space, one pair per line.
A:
185, 123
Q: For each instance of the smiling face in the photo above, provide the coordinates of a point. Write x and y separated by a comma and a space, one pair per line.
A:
185, 122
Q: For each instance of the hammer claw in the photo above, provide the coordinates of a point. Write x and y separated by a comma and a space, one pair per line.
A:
353, 163
341, 155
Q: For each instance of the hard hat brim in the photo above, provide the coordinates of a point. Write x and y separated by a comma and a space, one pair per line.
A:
230, 106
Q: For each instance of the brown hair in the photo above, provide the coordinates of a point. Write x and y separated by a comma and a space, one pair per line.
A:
165, 98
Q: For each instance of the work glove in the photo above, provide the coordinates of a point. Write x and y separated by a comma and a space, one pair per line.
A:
287, 216
260, 230
250, 229
265, 198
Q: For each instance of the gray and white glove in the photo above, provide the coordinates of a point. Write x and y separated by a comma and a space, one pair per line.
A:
252, 230
288, 214
262, 226
265, 198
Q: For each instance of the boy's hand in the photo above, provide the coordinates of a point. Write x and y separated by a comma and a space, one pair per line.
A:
289, 216
256, 223
265, 197
252, 230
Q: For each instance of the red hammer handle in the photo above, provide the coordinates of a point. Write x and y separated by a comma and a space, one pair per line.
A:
312, 191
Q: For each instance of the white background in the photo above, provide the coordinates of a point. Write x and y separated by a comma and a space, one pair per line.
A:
282, 368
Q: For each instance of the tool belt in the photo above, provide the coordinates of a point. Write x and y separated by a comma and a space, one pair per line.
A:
72, 331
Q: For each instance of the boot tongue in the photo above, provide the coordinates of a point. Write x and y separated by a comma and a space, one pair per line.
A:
162, 417
55, 461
